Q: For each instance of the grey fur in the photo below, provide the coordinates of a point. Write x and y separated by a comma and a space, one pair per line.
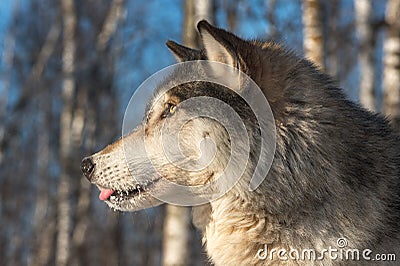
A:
335, 171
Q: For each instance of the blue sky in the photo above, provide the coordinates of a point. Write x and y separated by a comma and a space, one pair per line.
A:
147, 25
6, 10
6, 7
162, 20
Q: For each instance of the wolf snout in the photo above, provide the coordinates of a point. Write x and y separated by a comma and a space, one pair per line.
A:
87, 167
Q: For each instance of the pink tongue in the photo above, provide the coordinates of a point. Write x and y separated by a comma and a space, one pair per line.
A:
105, 193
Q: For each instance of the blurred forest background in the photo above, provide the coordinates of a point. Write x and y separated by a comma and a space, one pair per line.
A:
68, 69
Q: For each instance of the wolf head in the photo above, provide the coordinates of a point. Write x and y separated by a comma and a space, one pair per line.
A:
167, 147
130, 182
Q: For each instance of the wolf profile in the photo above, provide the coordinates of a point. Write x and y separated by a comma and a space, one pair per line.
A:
335, 172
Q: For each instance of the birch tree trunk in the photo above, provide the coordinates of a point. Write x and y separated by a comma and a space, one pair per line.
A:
203, 10
363, 11
313, 32
391, 73
66, 137
194, 12
177, 231
176, 236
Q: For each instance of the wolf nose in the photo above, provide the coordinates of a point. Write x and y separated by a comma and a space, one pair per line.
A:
87, 167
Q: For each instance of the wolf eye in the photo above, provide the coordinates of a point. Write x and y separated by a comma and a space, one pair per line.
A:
172, 108
169, 109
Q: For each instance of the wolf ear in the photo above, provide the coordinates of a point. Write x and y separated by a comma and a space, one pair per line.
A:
218, 44
183, 53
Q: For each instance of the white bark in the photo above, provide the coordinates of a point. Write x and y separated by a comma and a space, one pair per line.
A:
313, 32
177, 231
363, 13
391, 74
45, 246
194, 12
203, 10
66, 141
176, 236
189, 35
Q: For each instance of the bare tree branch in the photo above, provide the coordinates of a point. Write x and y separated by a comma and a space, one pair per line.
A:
41, 61
46, 51
110, 24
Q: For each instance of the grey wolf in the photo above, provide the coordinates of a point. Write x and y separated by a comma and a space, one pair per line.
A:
335, 172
